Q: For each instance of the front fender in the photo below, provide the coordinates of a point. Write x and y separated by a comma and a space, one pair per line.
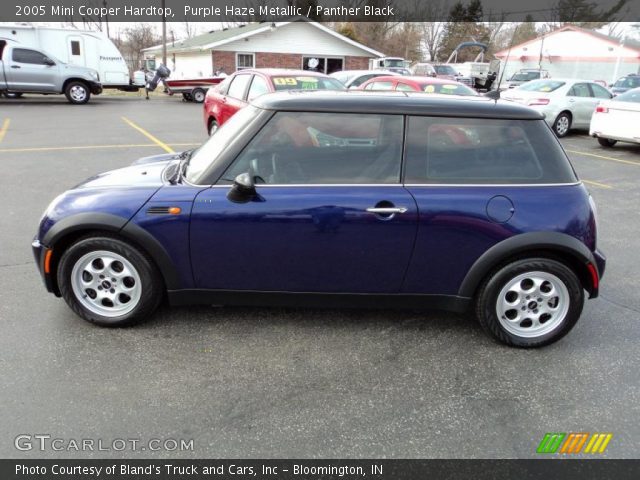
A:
75, 225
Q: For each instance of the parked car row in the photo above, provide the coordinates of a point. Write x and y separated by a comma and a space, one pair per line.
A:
239, 89
580, 104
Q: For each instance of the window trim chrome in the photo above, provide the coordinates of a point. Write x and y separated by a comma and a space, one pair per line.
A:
504, 185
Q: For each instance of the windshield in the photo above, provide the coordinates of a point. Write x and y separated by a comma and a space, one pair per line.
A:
525, 76
629, 96
444, 70
628, 82
206, 154
448, 89
301, 82
541, 86
343, 77
394, 62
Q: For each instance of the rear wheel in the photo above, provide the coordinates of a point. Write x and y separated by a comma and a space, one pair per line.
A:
198, 95
109, 282
606, 142
530, 303
562, 124
77, 93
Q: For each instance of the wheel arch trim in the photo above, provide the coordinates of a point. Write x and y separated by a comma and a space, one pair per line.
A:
128, 230
554, 242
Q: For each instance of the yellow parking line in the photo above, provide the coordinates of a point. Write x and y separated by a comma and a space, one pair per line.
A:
4, 128
597, 184
604, 157
90, 147
161, 144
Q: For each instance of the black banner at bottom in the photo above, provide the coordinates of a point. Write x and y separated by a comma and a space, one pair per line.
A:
565, 469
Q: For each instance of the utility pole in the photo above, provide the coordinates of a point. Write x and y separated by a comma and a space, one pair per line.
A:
164, 35
104, 4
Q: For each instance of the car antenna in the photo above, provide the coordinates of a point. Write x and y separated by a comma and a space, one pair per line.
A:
495, 94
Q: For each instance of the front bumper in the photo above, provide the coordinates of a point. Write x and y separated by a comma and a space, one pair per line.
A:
601, 262
40, 253
95, 87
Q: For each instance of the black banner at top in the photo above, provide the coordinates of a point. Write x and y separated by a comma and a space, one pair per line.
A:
319, 10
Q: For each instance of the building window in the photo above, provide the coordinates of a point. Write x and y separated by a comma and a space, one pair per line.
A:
323, 64
245, 60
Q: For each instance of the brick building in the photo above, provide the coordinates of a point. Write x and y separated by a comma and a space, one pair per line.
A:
298, 44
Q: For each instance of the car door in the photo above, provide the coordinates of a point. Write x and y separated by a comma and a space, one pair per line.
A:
31, 70
581, 103
329, 213
464, 174
235, 97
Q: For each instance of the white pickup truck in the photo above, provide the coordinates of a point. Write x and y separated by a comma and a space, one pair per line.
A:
27, 70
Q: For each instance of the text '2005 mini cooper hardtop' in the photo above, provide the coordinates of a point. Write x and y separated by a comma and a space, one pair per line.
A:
340, 199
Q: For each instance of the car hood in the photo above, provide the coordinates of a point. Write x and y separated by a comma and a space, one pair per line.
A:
145, 175
163, 157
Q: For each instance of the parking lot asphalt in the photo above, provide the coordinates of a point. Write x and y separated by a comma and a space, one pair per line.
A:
293, 383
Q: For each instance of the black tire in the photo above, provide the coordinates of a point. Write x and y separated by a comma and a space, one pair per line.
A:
606, 142
152, 286
78, 93
213, 126
487, 302
562, 124
14, 95
186, 97
198, 95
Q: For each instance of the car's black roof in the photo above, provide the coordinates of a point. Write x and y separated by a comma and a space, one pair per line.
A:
395, 103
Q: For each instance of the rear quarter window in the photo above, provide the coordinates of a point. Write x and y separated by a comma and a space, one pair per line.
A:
483, 151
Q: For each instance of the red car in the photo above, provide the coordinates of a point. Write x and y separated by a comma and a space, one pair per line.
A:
239, 89
418, 84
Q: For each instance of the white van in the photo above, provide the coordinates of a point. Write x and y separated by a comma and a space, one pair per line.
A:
76, 47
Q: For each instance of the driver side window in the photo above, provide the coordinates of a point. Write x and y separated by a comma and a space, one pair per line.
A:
323, 148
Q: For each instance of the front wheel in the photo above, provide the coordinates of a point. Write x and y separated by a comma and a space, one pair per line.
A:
606, 142
562, 124
530, 303
77, 93
109, 282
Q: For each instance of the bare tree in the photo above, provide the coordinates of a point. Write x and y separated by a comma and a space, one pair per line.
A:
132, 40
190, 29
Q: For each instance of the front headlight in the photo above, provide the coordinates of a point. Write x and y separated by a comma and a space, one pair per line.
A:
95, 75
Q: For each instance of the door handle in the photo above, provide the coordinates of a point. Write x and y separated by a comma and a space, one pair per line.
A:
386, 210
15, 66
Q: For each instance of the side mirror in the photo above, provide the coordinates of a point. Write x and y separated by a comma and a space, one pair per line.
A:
49, 62
243, 189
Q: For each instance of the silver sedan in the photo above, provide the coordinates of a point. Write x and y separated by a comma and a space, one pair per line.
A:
566, 103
